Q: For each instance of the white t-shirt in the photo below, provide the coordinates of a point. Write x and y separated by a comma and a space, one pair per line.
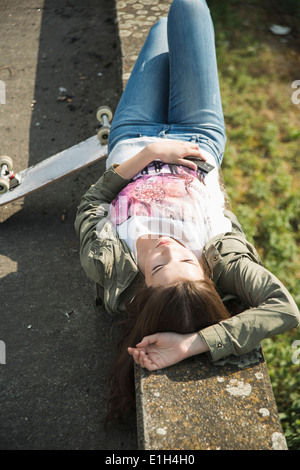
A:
168, 200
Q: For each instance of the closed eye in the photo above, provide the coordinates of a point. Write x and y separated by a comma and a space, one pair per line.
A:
156, 268
160, 266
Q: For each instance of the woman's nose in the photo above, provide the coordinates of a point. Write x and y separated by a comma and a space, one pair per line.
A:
170, 251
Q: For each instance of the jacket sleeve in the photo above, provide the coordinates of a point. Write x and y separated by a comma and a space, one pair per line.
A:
271, 310
92, 223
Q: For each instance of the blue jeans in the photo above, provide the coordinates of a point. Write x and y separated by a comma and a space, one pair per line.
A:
173, 91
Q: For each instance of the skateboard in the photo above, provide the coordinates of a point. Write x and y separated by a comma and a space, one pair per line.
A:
16, 185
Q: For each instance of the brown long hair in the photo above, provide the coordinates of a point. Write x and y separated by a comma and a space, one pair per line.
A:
183, 307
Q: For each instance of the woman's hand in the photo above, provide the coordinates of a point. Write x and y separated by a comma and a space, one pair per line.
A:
165, 349
175, 151
167, 150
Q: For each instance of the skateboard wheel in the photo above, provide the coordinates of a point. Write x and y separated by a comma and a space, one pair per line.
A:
103, 134
104, 110
6, 161
4, 185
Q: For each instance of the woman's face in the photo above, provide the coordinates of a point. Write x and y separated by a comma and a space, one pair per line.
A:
168, 261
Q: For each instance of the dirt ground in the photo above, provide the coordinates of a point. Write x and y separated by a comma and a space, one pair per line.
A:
59, 62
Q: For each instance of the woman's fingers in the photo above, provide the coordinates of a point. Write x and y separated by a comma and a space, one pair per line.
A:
151, 339
188, 164
136, 354
196, 153
174, 151
146, 362
139, 352
141, 359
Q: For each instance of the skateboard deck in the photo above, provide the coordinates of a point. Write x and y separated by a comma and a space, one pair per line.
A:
56, 167
53, 168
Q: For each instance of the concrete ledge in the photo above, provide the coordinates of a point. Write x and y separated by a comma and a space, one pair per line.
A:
196, 405
135, 18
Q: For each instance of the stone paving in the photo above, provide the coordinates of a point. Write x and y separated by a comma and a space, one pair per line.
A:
135, 20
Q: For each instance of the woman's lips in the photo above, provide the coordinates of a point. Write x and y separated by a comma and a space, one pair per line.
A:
165, 242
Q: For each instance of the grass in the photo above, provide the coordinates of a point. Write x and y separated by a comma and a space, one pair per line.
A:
261, 163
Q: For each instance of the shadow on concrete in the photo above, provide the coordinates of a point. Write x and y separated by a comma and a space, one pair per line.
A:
58, 344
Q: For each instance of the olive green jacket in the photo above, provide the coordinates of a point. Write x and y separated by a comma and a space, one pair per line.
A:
234, 262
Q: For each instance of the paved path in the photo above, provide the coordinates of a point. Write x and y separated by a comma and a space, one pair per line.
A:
58, 345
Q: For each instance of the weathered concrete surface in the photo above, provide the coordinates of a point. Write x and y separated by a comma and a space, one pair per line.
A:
196, 405
135, 20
